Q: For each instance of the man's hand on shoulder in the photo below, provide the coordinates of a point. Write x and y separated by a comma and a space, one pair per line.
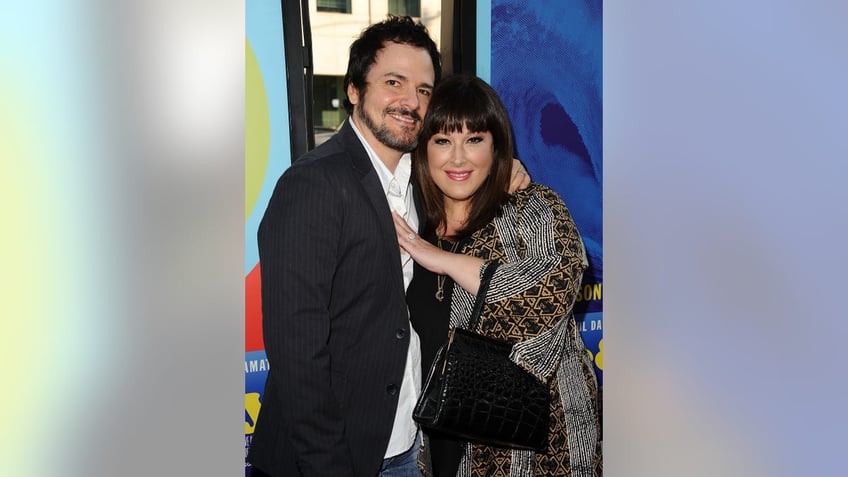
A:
519, 178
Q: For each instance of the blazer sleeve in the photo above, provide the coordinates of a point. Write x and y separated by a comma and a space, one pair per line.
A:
537, 287
298, 239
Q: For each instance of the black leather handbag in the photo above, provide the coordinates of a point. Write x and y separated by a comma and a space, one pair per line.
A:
475, 392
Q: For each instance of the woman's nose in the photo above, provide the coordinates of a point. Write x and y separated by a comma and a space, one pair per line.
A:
458, 156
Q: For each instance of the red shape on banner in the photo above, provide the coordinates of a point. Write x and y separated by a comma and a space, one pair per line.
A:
253, 311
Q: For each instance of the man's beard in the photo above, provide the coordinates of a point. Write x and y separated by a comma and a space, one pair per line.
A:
405, 143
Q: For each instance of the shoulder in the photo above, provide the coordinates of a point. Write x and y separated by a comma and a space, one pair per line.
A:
541, 204
330, 154
343, 152
537, 195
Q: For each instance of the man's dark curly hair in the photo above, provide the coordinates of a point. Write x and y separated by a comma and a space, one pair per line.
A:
397, 29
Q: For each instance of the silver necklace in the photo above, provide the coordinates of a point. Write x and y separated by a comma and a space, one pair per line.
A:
440, 279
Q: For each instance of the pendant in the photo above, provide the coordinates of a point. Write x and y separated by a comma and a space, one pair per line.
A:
440, 295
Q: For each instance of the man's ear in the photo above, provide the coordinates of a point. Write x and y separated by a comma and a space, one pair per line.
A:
352, 94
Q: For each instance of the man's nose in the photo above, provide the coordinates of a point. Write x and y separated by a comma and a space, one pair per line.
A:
410, 98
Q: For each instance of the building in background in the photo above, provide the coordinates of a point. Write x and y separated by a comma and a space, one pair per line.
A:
335, 24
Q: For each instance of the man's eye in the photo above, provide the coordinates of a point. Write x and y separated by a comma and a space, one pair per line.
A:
392, 82
424, 92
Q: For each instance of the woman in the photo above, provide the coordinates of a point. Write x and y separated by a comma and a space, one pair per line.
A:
461, 168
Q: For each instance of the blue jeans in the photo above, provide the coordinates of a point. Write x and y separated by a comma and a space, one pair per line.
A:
402, 465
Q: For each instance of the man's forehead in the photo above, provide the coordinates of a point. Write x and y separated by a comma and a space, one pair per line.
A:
404, 61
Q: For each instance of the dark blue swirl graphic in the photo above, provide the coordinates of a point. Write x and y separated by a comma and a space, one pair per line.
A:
547, 67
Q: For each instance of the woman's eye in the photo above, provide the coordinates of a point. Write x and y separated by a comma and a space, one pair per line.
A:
475, 139
440, 141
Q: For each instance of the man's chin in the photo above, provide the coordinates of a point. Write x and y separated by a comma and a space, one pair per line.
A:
404, 147
409, 146
404, 142
409, 137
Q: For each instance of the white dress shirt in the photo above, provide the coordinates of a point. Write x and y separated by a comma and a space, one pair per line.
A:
398, 192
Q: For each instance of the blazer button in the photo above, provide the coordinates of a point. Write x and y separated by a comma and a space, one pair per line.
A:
391, 389
400, 333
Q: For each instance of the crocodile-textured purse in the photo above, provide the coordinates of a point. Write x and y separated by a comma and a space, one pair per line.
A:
475, 392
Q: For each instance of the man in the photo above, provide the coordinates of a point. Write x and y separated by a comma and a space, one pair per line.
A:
344, 359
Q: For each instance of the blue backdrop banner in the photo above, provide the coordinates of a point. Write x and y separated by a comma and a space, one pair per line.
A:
545, 61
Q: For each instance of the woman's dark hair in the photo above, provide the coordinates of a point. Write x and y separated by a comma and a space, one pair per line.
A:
465, 101
363, 51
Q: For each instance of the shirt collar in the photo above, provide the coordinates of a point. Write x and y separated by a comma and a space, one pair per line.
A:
403, 171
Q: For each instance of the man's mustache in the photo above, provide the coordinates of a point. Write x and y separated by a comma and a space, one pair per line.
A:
404, 112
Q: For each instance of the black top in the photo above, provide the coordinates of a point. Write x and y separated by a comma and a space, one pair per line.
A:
431, 320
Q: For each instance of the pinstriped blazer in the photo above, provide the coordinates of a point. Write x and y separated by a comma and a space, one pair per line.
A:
334, 317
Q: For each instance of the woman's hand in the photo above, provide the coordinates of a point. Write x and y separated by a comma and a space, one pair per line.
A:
463, 269
423, 252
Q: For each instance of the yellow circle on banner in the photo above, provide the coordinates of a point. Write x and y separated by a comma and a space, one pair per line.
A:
257, 130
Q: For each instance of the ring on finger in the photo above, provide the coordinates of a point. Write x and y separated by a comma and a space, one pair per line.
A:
410, 236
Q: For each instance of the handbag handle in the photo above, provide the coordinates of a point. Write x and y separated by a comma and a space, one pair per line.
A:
481, 294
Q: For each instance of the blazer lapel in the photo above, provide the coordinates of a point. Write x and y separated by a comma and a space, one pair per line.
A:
374, 190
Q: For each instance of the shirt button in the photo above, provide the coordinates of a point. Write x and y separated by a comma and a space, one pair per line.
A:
400, 333
391, 389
